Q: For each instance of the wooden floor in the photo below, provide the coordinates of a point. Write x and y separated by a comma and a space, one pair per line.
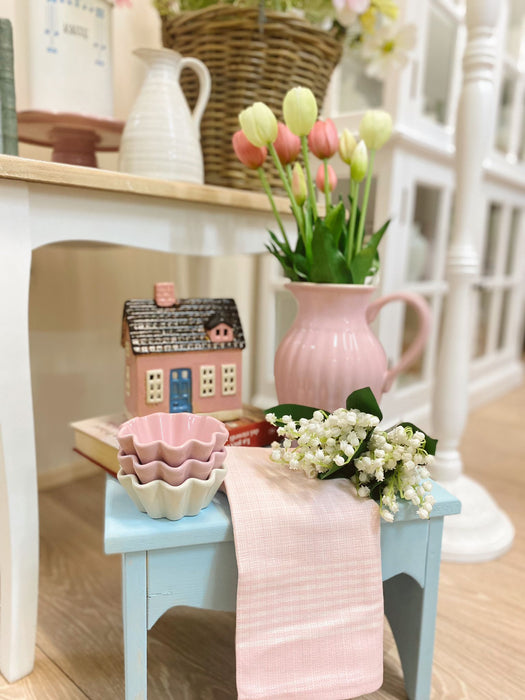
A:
480, 638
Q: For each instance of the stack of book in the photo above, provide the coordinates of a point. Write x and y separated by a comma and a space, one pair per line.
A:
8, 120
96, 438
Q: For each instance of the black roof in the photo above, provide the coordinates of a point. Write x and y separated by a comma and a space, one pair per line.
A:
181, 327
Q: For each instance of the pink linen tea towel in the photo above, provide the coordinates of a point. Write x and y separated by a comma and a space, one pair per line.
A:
309, 596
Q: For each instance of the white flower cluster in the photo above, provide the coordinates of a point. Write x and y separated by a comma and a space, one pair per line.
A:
317, 444
394, 464
397, 461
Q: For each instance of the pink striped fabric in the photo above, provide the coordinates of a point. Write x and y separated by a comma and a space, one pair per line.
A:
309, 598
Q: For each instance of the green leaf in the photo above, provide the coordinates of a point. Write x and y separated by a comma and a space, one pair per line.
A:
280, 244
430, 442
345, 472
297, 411
364, 400
300, 266
335, 221
287, 267
362, 264
299, 247
328, 263
375, 239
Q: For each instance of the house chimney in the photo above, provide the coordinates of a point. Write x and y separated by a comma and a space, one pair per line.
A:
165, 294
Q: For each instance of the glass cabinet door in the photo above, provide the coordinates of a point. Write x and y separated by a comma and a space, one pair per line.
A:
440, 56
498, 294
422, 234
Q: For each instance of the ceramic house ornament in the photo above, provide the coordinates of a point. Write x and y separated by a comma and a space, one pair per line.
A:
182, 355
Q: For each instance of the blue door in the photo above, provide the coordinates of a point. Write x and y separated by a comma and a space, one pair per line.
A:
180, 390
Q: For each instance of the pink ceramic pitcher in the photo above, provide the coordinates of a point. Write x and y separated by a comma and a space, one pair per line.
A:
330, 349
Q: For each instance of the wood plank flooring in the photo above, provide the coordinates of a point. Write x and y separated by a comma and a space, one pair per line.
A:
480, 635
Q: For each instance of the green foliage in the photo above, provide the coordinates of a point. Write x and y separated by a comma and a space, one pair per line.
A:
328, 259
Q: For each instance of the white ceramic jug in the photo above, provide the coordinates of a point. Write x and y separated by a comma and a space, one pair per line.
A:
162, 137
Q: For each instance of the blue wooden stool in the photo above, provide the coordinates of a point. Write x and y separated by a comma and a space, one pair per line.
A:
192, 562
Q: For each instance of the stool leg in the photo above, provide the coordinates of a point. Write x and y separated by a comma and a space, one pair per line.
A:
411, 611
134, 615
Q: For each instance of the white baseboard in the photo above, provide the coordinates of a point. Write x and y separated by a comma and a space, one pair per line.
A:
494, 384
59, 476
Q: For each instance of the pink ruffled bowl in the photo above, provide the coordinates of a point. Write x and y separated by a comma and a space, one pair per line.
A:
158, 469
172, 438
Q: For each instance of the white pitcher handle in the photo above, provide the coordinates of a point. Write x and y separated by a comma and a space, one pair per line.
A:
204, 84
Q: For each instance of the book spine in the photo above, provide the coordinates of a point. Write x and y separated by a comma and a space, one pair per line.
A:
8, 118
253, 435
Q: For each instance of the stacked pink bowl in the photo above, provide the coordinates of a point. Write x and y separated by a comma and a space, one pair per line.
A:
172, 464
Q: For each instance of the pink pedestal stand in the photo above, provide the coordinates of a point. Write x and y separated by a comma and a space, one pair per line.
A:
75, 138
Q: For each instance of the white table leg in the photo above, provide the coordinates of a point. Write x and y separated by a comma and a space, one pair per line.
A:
18, 486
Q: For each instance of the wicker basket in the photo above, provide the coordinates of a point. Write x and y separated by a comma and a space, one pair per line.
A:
249, 58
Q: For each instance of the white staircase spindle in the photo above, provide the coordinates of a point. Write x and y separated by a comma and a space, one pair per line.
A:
482, 531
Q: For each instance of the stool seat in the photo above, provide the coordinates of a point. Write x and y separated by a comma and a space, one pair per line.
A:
192, 562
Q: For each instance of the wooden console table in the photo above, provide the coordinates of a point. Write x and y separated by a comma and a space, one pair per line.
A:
43, 203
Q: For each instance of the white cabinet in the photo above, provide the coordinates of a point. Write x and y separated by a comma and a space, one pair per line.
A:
415, 186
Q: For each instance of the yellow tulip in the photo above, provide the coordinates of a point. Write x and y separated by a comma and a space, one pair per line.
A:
359, 162
299, 184
375, 128
347, 144
368, 20
389, 8
300, 110
259, 124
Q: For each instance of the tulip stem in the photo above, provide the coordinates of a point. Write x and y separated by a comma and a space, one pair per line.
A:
295, 207
327, 195
268, 190
361, 227
354, 196
310, 183
289, 172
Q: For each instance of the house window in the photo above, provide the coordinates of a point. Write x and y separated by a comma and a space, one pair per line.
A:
207, 380
229, 380
221, 333
154, 386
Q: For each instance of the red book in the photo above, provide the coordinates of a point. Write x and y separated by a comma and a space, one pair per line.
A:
251, 429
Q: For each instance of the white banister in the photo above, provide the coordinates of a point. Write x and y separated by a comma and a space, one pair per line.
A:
482, 531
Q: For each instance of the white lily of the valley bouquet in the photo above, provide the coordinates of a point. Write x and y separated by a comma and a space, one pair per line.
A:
386, 465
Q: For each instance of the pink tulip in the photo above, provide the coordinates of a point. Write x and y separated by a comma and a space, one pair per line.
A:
319, 178
251, 156
123, 3
323, 139
286, 144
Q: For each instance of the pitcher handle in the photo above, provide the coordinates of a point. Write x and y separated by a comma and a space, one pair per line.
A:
415, 349
203, 75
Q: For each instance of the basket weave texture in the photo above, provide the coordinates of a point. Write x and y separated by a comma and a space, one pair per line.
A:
250, 59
